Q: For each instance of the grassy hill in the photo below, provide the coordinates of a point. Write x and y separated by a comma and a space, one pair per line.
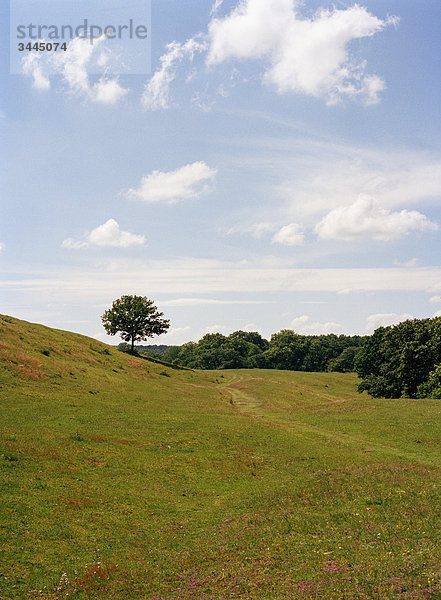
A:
124, 479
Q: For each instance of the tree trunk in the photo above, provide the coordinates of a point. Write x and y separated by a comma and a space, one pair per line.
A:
133, 344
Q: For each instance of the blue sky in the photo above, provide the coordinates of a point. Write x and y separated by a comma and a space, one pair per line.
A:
278, 168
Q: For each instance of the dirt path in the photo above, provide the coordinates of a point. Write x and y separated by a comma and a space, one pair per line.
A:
244, 401
249, 404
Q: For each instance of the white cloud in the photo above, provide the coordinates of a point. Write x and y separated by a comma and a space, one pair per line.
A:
304, 325
206, 276
323, 176
437, 314
176, 336
370, 89
348, 290
385, 319
170, 187
2, 246
318, 176
71, 243
72, 65
257, 230
108, 234
108, 91
289, 235
365, 219
413, 262
435, 299
156, 91
208, 301
32, 67
216, 6
302, 55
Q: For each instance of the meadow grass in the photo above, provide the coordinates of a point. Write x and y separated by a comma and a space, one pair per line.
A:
122, 478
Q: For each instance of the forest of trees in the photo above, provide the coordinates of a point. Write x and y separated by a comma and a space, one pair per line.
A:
244, 350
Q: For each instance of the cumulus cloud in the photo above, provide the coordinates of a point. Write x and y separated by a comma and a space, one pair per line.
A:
73, 65
289, 235
108, 91
365, 219
32, 67
108, 234
305, 325
170, 187
156, 91
385, 319
435, 299
302, 55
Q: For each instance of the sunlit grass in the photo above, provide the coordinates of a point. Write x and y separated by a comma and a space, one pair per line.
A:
118, 482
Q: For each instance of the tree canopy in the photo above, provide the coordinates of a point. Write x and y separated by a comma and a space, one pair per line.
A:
286, 350
135, 318
402, 360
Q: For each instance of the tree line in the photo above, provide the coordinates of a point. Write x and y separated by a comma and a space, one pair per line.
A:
248, 349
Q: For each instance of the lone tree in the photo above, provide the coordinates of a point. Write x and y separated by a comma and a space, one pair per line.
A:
135, 318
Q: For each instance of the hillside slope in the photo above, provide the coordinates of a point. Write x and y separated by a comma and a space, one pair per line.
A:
35, 352
125, 479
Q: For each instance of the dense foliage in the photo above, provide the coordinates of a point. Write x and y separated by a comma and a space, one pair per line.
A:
402, 360
286, 350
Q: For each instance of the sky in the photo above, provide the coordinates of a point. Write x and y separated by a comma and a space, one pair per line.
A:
261, 165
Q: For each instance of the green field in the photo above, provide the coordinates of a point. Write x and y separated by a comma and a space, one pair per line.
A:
124, 479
